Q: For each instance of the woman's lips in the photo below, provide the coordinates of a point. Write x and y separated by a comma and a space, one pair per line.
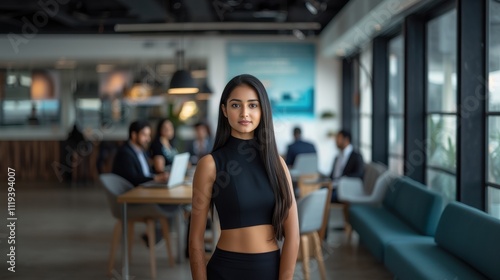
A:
244, 122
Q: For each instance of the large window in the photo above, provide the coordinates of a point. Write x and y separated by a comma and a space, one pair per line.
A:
365, 114
493, 149
396, 104
441, 138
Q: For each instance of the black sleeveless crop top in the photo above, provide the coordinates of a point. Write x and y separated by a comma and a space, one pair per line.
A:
241, 192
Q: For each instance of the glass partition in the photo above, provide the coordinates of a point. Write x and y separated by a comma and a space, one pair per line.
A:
493, 112
441, 110
396, 104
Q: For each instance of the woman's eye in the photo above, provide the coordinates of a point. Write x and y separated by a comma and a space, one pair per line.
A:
234, 105
253, 105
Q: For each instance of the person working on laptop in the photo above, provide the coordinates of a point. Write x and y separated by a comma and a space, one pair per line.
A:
131, 163
249, 184
162, 149
348, 162
298, 147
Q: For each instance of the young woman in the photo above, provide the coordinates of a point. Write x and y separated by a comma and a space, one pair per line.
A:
162, 151
249, 184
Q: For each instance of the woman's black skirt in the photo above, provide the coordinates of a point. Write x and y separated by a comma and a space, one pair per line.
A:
225, 265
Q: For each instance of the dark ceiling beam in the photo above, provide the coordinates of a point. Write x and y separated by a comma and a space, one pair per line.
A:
214, 26
68, 20
200, 10
146, 10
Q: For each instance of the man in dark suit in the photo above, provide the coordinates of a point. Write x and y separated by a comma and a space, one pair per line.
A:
298, 147
348, 163
131, 161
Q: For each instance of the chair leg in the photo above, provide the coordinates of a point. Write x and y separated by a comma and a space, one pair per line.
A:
319, 254
150, 223
130, 241
304, 249
166, 235
347, 225
114, 245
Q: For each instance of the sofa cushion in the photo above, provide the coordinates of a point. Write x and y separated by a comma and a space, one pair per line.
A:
423, 259
472, 236
391, 195
376, 227
415, 204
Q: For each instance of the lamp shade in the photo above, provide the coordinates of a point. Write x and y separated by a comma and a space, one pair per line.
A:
182, 83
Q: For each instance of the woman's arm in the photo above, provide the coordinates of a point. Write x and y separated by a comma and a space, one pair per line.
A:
292, 235
204, 178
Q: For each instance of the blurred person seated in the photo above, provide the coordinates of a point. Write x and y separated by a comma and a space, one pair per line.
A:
131, 163
202, 144
298, 147
162, 149
348, 163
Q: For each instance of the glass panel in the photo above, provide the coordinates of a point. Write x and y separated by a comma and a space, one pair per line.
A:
494, 150
442, 63
366, 130
396, 135
494, 56
33, 112
396, 165
494, 202
365, 85
396, 77
442, 141
366, 152
442, 183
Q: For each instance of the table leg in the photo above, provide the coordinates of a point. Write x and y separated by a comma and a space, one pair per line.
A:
181, 235
125, 245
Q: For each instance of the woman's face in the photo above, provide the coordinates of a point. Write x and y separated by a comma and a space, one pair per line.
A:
243, 111
167, 130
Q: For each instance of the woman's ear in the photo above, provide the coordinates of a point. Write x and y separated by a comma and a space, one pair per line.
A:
223, 110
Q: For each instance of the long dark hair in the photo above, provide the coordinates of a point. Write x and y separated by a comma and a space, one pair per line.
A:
160, 125
264, 135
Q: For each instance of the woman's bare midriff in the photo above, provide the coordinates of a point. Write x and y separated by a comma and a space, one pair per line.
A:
254, 239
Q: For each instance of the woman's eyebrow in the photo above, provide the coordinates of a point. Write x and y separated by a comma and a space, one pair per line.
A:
239, 100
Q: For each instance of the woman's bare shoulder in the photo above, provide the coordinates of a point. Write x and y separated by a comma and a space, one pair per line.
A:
206, 167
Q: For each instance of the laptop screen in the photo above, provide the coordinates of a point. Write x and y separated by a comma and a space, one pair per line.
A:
178, 170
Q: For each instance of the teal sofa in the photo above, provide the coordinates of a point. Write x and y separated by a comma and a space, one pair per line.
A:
466, 246
409, 212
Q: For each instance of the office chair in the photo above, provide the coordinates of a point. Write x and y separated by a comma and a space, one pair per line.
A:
311, 212
148, 213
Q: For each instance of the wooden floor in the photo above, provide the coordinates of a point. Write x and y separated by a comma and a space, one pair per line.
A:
64, 232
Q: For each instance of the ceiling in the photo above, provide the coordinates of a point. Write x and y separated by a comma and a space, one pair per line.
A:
226, 17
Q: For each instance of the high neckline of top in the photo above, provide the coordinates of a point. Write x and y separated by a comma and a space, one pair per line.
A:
239, 143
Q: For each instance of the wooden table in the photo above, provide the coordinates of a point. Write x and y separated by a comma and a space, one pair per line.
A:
175, 196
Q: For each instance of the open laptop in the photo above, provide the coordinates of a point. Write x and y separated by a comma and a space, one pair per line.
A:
177, 173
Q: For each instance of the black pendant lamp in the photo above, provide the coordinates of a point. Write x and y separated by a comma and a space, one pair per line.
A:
182, 82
